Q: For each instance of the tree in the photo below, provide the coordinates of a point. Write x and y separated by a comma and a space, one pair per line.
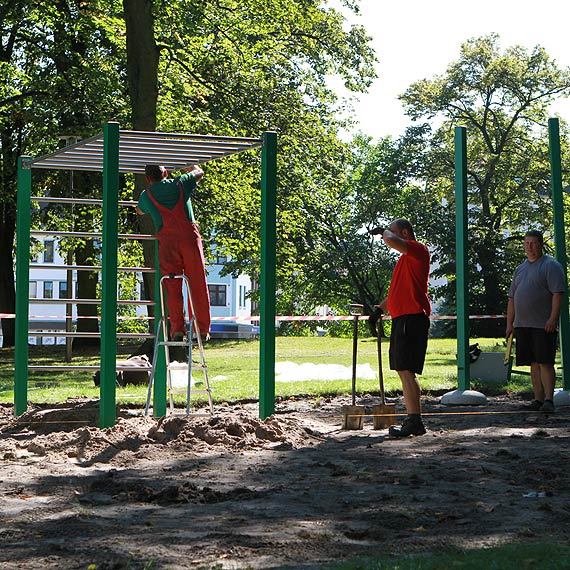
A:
241, 68
142, 60
502, 98
80, 57
15, 89
232, 68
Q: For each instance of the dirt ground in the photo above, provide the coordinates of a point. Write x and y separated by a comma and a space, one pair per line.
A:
293, 491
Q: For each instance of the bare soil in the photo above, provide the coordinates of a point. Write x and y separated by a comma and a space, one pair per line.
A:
292, 491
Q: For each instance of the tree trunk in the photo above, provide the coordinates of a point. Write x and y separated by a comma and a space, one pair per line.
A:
7, 289
142, 72
11, 149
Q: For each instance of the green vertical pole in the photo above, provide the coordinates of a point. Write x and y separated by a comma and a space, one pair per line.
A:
560, 242
159, 386
461, 292
107, 412
267, 276
22, 287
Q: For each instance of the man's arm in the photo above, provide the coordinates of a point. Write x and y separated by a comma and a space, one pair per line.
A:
142, 197
552, 322
394, 241
510, 317
197, 171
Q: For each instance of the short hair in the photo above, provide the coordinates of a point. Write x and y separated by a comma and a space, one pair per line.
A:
535, 234
404, 224
155, 172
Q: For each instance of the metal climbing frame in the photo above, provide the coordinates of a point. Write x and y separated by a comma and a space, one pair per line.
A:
162, 341
112, 152
462, 285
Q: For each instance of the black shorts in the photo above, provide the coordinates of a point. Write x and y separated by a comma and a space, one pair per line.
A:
408, 342
534, 345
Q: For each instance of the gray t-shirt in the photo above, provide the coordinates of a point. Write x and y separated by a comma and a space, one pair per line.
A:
532, 288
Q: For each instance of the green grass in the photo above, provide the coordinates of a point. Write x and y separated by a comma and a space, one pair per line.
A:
539, 556
233, 368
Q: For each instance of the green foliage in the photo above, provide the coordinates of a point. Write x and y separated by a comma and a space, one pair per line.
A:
502, 98
505, 557
236, 68
253, 66
243, 67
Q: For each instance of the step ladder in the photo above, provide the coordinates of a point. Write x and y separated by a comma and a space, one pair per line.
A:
162, 341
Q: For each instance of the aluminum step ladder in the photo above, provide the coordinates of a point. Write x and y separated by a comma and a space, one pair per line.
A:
162, 340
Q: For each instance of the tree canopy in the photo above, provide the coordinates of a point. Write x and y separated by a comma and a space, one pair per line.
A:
239, 68
502, 98
233, 68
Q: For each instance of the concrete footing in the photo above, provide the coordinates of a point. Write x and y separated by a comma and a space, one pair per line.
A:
561, 397
463, 398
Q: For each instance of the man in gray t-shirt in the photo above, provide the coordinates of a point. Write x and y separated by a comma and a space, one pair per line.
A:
535, 299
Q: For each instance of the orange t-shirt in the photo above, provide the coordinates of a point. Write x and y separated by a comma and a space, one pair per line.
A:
408, 289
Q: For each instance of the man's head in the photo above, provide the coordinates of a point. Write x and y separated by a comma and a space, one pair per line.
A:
533, 244
155, 173
402, 228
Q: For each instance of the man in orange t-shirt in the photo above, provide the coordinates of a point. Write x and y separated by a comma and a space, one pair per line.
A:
409, 307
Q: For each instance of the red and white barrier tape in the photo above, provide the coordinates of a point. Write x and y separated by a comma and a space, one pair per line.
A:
257, 318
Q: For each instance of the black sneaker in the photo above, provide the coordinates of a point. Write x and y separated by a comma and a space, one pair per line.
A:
534, 406
410, 426
548, 406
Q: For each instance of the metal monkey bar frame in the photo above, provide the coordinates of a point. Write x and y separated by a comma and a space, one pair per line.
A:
118, 151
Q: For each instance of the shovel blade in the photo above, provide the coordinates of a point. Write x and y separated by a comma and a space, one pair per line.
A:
352, 417
384, 415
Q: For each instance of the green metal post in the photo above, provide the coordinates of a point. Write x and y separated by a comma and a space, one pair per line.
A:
461, 291
107, 412
159, 386
267, 276
22, 288
560, 242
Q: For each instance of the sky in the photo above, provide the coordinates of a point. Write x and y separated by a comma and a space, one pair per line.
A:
418, 39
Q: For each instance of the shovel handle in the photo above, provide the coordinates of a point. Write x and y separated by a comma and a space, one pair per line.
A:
380, 371
508, 351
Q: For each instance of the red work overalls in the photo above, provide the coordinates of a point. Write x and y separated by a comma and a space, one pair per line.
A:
180, 251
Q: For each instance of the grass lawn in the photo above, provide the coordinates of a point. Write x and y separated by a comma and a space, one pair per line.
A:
538, 556
233, 368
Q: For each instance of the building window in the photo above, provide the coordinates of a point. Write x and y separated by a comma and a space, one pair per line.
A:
33, 289
48, 251
242, 292
217, 295
63, 292
48, 289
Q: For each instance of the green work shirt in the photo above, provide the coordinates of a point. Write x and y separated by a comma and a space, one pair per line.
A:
166, 193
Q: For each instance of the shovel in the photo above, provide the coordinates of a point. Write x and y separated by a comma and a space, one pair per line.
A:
383, 414
507, 360
353, 415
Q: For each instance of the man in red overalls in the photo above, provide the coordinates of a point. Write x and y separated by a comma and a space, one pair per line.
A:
168, 201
